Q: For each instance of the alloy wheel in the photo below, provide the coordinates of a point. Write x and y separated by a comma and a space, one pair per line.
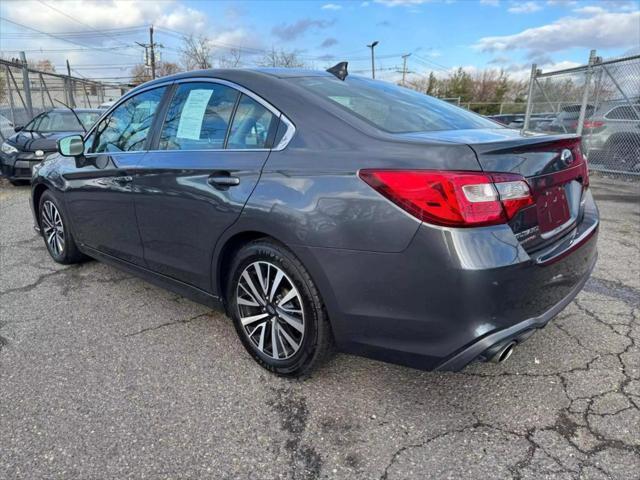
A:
53, 228
270, 310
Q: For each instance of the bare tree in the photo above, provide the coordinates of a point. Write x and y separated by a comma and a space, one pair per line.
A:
282, 58
44, 65
141, 73
167, 68
196, 52
231, 59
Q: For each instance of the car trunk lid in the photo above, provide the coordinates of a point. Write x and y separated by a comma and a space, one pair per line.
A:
553, 166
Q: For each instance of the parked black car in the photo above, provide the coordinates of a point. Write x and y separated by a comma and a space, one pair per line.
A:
322, 210
37, 140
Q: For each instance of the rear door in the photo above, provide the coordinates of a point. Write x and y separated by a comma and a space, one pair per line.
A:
193, 185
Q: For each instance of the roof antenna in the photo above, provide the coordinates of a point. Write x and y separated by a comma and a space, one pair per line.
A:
339, 70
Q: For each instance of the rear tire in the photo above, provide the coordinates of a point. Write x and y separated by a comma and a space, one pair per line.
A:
56, 231
273, 300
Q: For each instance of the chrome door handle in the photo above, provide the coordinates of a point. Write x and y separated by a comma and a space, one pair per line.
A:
223, 181
123, 180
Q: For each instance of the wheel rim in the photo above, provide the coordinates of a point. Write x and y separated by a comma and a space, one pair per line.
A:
53, 228
270, 310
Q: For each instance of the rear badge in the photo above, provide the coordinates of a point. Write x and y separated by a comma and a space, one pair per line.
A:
39, 153
566, 157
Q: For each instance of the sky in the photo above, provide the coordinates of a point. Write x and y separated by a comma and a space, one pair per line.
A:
98, 37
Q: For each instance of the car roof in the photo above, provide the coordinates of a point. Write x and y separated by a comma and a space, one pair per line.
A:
236, 75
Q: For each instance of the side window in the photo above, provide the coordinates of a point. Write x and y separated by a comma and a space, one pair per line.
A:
624, 113
251, 125
126, 129
198, 117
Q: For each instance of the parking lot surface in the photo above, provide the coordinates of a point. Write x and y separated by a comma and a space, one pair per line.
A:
103, 375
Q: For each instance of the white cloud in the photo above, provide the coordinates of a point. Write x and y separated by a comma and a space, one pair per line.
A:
603, 30
525, 7
331, 6
492, 3
589, 10
104, 15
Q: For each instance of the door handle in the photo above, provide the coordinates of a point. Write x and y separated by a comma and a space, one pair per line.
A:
123, 180
223, 181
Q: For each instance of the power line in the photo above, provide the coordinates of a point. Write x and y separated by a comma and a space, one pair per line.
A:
52, 35
78, 21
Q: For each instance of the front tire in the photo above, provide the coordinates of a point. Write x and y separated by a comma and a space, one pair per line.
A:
56, 232
277, 310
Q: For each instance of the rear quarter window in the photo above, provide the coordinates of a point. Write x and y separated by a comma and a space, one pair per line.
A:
624, 112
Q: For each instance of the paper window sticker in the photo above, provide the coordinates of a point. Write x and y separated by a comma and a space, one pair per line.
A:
192, 115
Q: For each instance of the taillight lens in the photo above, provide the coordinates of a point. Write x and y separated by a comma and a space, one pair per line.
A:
450, 198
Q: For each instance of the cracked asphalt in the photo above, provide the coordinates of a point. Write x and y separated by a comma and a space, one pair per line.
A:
104, 376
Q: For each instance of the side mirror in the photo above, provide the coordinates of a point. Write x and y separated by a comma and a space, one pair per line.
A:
71, 146
18, 128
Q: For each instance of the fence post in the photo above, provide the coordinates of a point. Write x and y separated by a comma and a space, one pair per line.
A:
585, 94
10, 94
527, 113
26, 85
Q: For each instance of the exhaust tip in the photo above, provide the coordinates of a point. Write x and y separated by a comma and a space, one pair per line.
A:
504, 353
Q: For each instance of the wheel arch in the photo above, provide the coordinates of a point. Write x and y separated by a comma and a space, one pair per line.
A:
226, 253
38, 191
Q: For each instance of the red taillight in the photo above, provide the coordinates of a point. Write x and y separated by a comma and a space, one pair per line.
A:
454, 199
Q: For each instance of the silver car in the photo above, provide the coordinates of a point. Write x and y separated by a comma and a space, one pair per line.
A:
611, 136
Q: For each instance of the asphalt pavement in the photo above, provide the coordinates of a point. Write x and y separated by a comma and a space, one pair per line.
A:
104, 376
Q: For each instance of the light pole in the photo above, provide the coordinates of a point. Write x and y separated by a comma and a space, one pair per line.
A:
373, 61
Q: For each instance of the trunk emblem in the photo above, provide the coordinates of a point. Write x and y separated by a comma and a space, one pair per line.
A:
566, 157
39, 153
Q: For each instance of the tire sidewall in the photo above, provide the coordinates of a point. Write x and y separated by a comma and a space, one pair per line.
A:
284, 260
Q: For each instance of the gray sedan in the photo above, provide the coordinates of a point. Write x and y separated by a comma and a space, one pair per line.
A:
325, 210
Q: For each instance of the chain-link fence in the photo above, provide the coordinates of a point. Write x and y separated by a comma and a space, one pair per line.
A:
26, 92
601, 102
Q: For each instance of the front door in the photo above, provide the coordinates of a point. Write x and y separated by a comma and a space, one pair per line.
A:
193, 186
99, 192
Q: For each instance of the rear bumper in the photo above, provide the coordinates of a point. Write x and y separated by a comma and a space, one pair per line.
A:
452, 293
518, 332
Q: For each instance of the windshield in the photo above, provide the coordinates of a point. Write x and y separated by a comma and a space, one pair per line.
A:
61, 122
391, 108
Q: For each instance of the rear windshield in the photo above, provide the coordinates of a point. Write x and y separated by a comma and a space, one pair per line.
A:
391, 108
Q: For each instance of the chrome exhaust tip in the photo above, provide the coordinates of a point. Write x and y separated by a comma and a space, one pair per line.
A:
503, 353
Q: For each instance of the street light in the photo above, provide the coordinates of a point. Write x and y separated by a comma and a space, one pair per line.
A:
373, 62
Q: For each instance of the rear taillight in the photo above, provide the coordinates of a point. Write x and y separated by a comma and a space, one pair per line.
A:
592, 125
454, 199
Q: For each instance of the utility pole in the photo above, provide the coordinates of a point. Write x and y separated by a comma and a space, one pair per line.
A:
153, 53
150, 53
404, 68
373, 61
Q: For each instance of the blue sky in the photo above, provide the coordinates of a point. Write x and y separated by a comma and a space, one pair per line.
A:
440, 34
